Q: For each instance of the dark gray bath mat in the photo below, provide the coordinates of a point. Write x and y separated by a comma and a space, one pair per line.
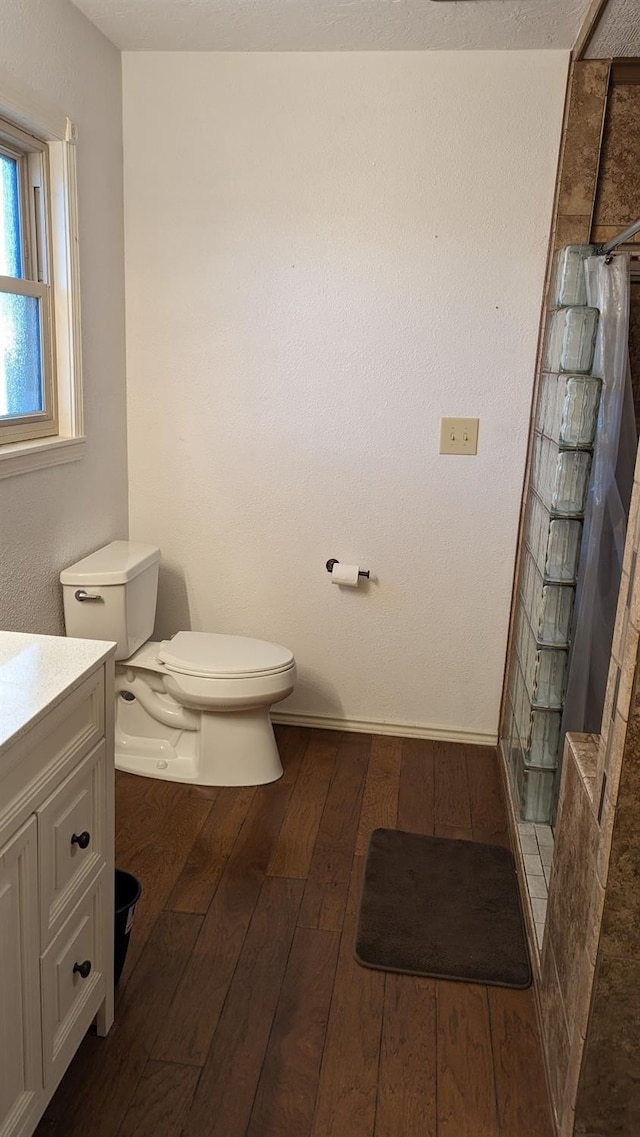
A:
434, 906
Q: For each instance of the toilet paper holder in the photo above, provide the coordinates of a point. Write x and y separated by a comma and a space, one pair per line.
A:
334, 561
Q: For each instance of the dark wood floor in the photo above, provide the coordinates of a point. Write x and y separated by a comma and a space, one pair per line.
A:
241, 1011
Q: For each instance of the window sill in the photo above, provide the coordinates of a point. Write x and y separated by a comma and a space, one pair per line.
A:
21, 457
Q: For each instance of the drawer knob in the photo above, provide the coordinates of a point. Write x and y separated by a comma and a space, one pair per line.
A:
81, 839
83, 969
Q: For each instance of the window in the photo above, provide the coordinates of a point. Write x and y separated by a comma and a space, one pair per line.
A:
40, 344
28, 404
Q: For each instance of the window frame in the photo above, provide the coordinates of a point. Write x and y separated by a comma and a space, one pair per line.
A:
56, 133
32, 157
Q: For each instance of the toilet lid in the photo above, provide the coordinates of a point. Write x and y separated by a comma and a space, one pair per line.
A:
223, 657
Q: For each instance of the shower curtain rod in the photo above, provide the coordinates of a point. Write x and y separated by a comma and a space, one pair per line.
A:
619, 240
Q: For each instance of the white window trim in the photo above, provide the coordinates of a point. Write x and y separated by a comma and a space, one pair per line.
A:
20, 106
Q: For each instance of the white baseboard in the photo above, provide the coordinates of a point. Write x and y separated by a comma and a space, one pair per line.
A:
398, 729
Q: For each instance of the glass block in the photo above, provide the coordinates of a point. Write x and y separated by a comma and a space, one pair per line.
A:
525, 648
549, 607
535, 794
569, 283
554, 543
544, 738
550, 679
567, 410
507, 733
560, 477
10, 249
515, 754
20, 355
520, 704
538, 731
543, 668
570, 340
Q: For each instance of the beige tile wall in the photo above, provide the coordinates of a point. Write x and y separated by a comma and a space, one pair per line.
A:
608, 1097
578, 173
593, 916
591, 955
575, 909
579, 155
588, 980
617, 202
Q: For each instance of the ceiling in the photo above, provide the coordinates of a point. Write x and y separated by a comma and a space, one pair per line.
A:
618, 33
337, 25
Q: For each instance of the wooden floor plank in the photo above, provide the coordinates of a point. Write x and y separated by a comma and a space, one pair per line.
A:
452, 808
192, 1019
488, 809
228, 1083
95, 1094
292, 744
197, 883
153, 842
523, 1107
286, 1094
224, 991
144, 805
466, 1097
416, 798
161, 1102
380, 799
407, 1078
325, 895
294, 848
347, 1091
454, 832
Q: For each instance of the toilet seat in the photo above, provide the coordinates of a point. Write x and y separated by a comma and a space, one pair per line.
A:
209, 655
215, 692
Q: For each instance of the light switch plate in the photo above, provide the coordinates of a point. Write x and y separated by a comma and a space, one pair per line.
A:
459, 435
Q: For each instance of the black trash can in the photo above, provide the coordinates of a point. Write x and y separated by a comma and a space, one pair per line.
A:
127, 894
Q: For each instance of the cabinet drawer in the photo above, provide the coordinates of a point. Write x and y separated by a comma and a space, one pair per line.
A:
70, 999
71, 840
20, 1044
48, 751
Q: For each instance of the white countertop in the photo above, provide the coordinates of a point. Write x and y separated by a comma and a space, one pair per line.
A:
36, 672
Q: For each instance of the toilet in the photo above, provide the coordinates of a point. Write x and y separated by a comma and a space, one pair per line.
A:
194, 708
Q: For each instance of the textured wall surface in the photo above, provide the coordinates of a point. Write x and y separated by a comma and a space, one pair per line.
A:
618, 197
48, 518
618, 33
337, 25
325, 254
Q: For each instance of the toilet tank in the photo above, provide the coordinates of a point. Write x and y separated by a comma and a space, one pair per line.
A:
111, 595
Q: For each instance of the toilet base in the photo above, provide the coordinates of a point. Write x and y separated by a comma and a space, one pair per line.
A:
229, 749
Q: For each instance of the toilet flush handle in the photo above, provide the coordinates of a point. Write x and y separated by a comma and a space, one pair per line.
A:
80, 594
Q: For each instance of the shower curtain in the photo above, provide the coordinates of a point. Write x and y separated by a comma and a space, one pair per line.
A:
605, 520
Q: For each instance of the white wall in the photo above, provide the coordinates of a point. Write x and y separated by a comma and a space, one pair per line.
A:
325, 253
50, 517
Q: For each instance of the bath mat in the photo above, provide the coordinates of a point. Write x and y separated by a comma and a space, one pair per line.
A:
442, 907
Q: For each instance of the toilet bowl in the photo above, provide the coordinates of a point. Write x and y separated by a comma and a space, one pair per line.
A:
194, 708
174, 719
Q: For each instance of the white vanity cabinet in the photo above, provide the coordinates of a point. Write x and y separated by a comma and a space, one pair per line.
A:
56, 863
20, 1035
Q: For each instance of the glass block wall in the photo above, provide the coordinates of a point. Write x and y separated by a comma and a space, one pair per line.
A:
564, 431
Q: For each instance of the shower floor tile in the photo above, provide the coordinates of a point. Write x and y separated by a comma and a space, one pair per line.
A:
537, 862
